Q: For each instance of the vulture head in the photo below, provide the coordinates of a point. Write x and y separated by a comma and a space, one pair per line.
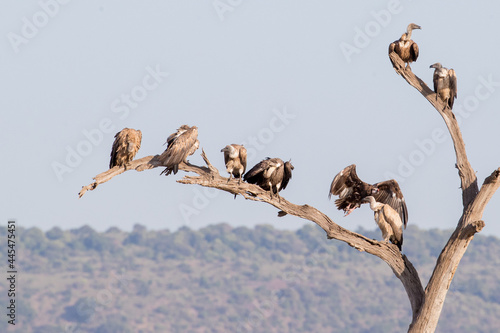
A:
230, 150
409, 29
437, 65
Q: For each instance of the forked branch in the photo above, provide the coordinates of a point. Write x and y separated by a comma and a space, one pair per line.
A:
474, 203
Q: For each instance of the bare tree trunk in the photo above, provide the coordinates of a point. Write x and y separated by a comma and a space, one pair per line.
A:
474, 202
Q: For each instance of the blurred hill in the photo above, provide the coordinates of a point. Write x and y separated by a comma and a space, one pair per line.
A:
225, 279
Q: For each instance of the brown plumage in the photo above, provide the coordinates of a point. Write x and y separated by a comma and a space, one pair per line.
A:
271, 174
181, 144
405, 47
126, 145
352, 190
235, 158
445, 83
388, 220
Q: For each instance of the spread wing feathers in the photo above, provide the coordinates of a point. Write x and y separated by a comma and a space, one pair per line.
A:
389, 193
126, 145
180, 145
343, 183
350, 189
453, 86
393, 225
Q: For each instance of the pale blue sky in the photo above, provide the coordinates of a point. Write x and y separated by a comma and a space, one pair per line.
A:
70, 68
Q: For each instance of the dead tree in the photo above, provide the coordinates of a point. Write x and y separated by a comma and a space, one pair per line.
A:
426, 304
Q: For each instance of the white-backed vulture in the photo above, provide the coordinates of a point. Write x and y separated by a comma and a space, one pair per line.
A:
235, 158
126, 145
180, 145
405, 47
352, 190
445, 83
271, 174
388, 220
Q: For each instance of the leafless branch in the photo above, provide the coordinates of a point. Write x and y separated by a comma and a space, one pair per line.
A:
209, 176
474, 202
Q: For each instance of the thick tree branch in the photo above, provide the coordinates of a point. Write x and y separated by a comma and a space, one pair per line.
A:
474, 202
209, 177
465, 170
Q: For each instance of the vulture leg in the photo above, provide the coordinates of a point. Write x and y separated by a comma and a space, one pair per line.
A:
230, 176
349, 211
271, 189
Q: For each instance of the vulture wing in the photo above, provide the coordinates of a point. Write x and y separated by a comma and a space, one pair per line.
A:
126, 145
226, 157
264, 172
344, 182
453, 86
390, 193
243, 157
180, 148
435, 80
413, 51
287, 175
256, 174
392, 217
171, 138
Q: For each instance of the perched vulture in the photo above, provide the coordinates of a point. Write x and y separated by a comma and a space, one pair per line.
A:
235, 158
405, 48
445, 83
352, 190
271, 174
127, 144
388, 220
180, 145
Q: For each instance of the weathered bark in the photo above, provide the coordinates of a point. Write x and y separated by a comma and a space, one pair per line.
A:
209, 177
474, 202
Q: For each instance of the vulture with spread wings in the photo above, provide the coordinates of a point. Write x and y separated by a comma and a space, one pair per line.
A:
271, 174
126, 145
352, 190
180, 145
